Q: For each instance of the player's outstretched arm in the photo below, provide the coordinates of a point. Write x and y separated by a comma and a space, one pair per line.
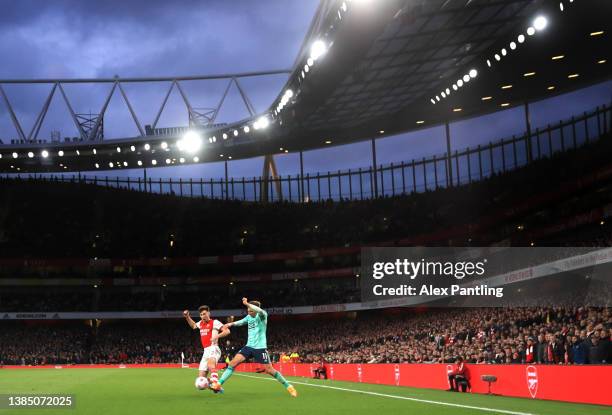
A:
253, 307
223, 332
190, 321
238, 323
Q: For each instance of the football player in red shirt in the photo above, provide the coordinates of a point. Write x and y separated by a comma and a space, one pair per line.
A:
210, 333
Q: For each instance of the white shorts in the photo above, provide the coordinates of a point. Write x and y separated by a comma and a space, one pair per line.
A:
210, 352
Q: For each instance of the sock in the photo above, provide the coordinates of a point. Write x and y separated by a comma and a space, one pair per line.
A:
281, 379
214, 377
228, 372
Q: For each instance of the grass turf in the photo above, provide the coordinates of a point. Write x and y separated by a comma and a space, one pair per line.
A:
171, 391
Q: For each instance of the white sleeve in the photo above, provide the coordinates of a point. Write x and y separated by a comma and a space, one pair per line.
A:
198, 324
217, 325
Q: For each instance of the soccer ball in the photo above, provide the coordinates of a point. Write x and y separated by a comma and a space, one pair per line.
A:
201, 383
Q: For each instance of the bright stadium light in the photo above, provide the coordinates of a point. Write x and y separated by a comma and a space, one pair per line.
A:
473, 73
111, 165
497, 57
15, 155
154, 162
191, 142
224, 136
433, 101
132, 148
235, 133
540, 23
513, 45
455, 87
437, 98
521, 38
531, 31
139, 162
118, 149
246, 129
489, 63
125, 163
94, 151
97, 166
262, 122
44, 154
60, 153
147, 147
168, 161
318, 49
196, 159
182, 160
504, 52
310, 61
78, 153
30, 154
443, 94
561, 7
164, 145
306, 68
460, 83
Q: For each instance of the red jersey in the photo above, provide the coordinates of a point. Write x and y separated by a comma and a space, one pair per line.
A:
206, 330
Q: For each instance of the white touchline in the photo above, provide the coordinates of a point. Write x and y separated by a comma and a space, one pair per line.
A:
384, 395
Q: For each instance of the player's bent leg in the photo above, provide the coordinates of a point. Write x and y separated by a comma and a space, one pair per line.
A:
216, 386
212, 369
203, 368
269, 369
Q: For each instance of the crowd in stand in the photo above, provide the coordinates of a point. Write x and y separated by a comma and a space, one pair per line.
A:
485, 336
538, 335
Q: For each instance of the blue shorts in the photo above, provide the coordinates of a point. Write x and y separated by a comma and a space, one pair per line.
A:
259, 355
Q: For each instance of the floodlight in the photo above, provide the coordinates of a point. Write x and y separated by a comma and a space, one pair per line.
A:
191, 142
540, 23
317, 49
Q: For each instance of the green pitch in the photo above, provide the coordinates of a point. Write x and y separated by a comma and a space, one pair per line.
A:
171, 391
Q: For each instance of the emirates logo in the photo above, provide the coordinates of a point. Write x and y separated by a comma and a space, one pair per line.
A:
532, 380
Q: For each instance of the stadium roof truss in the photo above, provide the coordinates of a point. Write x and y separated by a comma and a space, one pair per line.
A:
387, 67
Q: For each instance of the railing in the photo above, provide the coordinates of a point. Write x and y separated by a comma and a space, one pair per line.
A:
461, 167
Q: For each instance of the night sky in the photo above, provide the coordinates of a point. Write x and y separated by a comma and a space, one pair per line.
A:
73, 38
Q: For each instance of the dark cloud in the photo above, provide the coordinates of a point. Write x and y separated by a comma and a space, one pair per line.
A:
74, 38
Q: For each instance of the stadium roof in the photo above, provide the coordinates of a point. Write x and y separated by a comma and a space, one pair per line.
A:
392, 66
